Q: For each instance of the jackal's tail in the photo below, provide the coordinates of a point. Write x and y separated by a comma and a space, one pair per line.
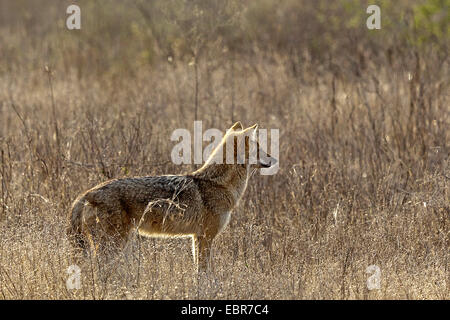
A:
74, 231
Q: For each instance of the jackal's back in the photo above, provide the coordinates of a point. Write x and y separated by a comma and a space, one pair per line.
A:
173, 203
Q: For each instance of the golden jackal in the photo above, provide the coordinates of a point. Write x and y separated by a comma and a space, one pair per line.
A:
196, 204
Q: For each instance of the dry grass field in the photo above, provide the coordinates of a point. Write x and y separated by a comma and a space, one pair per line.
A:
364, 145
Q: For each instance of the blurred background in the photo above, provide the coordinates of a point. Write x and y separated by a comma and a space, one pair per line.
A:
122, 36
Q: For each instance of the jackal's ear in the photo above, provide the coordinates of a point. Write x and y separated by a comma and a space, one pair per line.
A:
251, 130
237, 126
255, 130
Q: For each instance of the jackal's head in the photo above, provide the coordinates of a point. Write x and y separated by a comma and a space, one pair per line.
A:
240, 146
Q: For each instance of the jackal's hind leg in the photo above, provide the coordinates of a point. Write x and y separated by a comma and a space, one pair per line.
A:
108, 232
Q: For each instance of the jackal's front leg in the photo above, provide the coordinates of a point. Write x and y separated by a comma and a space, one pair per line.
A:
204, 253
195, 250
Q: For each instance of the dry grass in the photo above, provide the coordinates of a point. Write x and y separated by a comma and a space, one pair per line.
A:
363, 179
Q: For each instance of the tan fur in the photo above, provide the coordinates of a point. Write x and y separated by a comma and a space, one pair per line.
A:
197, 204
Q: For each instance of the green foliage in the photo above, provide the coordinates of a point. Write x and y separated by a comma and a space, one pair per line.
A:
119, 35
432, 20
